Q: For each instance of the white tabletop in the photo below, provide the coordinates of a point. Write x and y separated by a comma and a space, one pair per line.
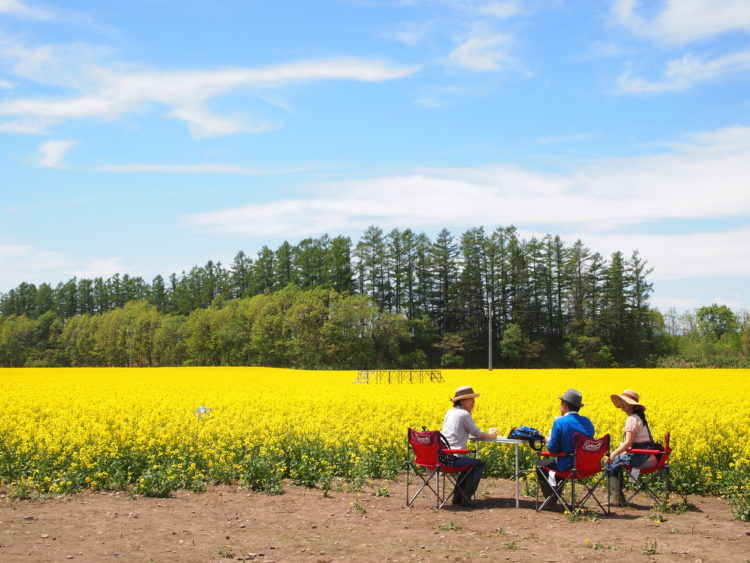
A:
500, 440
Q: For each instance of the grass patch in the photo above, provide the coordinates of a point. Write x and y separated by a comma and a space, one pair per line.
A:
649, 548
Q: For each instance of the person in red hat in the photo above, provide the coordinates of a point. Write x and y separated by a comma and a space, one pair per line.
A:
458, 425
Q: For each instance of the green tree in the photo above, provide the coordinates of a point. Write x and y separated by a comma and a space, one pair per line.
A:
347, 332
716, 320
513, 343
16, 340
443, 258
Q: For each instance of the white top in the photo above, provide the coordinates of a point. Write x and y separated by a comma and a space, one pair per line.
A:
457, 426
634, 424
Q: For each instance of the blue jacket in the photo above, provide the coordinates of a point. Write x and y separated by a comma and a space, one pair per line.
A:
561, 438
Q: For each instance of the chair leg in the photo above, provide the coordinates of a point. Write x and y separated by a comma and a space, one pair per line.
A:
554, 495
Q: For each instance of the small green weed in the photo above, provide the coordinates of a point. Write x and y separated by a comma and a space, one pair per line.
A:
583, 515
598, 546
657, 517
668, 507
500, 531
358, 507
649, 548
382, 491
355, 484
21, 490
325, 481
451, 526
510, 545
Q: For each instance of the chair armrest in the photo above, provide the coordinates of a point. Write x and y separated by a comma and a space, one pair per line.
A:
642, 451
550, 454
456, 451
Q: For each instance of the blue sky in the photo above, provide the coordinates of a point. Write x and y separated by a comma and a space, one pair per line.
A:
148, 136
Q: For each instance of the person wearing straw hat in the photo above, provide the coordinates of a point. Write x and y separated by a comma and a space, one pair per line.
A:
561, 439
458, 425
636, 435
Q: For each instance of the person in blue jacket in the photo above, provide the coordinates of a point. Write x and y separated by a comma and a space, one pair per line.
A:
560, 439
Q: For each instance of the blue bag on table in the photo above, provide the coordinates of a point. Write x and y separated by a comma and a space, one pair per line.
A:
531, 435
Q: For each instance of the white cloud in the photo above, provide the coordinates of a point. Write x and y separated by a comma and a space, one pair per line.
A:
27, 263
483, 53
679, 303
198, 169
500, 9
685, 73
99, 267
409, 33
25, 126
497, 8
703, 177
52, 153
684, 21
20, 9
100, 93
680, 256
19, 263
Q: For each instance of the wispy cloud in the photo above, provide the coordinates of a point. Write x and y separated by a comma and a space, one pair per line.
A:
52, 153
410, 33
607, 200
200, 169
482, 53
24, 126
683, 21
685, 73
497, 8
98, 92
579, 137
22, 10
19, 262
691, 255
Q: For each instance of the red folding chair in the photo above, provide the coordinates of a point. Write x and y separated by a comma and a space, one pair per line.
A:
424, 461
647, 480
587, 471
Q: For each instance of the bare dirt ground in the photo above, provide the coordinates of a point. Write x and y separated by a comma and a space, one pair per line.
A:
229, 523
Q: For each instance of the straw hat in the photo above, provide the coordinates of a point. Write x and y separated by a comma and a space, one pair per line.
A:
628, 396
464, 392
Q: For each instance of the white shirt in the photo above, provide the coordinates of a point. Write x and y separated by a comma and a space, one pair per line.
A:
458, 426
634, 424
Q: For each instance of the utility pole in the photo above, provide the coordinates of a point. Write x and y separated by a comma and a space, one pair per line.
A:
489, 332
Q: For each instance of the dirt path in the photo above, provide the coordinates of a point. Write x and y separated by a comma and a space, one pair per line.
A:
227, 523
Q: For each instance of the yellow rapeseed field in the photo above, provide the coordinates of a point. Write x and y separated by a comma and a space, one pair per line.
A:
106, 428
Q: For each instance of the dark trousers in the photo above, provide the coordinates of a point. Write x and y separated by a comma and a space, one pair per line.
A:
468, 480
541, 476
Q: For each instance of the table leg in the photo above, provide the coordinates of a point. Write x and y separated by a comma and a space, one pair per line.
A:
515, 448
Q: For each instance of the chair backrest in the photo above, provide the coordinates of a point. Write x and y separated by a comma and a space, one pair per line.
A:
589, 453
426, 446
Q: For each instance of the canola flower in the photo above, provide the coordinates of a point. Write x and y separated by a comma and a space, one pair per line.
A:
153, 430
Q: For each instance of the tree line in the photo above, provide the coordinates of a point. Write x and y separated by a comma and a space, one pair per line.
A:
395, 299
